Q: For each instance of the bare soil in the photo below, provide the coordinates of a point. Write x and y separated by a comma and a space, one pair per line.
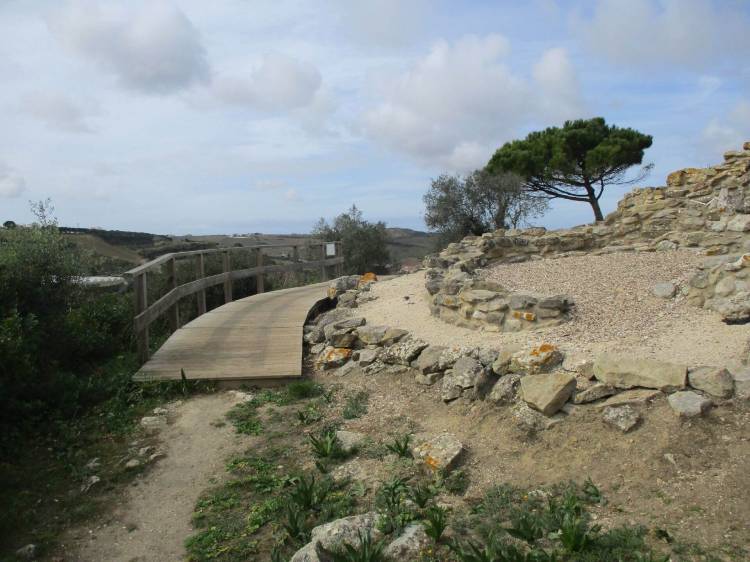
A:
151, 519
702, 497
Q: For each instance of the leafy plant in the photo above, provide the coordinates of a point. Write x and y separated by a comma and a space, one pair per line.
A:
245, 419
309, 494
456, 482
296, 524
400, 446
435, 522
366, 550
300, 390
526, 526
309, 415
389, 501
327, 445
421, 493
356, 406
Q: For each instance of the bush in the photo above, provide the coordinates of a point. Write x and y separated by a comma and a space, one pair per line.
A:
53, 334
364, 243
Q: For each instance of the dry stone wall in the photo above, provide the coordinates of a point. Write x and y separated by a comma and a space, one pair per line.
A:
707, 209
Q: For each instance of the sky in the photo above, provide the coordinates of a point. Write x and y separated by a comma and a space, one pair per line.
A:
236, 116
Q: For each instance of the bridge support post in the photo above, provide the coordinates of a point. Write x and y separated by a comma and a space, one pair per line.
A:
259, 282
339, 266
295, 259
228, 279
141, 303
202, 292
323, 269
174, 313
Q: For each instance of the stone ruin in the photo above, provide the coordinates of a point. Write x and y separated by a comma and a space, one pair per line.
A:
706, 209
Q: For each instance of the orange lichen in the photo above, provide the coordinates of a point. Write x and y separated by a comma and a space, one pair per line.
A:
543, 348
432, 462
367, 278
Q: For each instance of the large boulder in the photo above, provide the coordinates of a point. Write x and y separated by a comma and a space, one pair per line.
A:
547, 393
332, 536
627, 372
712, 380
350, 440
440, 453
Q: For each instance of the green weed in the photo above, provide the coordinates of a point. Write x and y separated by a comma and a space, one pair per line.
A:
327, 445
400, 446
366, 550
356, 406
435, 523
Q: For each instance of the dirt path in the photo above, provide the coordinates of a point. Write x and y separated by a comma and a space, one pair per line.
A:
153, 516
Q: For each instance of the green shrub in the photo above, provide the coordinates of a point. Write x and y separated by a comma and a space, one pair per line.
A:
356, 406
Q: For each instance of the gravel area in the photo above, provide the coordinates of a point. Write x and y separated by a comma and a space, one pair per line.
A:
615, 310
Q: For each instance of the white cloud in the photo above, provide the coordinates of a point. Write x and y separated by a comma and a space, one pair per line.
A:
291, 195
458, 103
688, 33
11, 184
277, 82
56, 111
730, 132
153, 49
558, 82
389, 23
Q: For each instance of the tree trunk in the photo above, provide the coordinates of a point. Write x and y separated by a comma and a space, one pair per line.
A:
593, 201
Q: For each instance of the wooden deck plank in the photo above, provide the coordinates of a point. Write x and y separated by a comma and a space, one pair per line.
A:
255, 338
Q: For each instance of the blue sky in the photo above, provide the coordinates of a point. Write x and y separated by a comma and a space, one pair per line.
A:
244, 116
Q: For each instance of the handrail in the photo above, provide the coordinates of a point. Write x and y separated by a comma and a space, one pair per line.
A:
146, 314
164, 258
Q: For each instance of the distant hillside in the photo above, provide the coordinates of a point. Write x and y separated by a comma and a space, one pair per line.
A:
119, 250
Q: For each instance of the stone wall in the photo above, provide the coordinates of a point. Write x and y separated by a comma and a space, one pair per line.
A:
706, 209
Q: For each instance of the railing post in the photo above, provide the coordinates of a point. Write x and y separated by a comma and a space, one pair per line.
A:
141, 303
202, 292
323, 269
174, 313
228, 280
339, 266
295, 261
259, 283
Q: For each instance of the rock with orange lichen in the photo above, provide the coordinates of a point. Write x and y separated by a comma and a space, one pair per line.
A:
539, 359
333, 357
440, 453
366, 279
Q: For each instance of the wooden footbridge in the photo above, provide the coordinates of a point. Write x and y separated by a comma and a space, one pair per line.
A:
254, 339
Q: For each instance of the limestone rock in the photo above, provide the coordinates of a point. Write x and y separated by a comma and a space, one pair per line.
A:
308, 553
429, 359
449, 390
739, 223
595, 392
342, 284
531, 420
350, 440
639, 396
367, 356
332, 316
344, 337
27, 552
346, 531
154, 423
348, 369
409, 545
627, 372
132, 463
712, 380
428, 379
623, 418
403, 352
466, 372
689, 404
547, 393
380, 335
505, 390
540, 359
440, 453
333, 357
664, 290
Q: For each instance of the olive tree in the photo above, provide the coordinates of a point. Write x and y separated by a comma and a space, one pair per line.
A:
456, 206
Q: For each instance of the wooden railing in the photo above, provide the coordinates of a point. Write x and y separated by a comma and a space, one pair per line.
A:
329, 256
